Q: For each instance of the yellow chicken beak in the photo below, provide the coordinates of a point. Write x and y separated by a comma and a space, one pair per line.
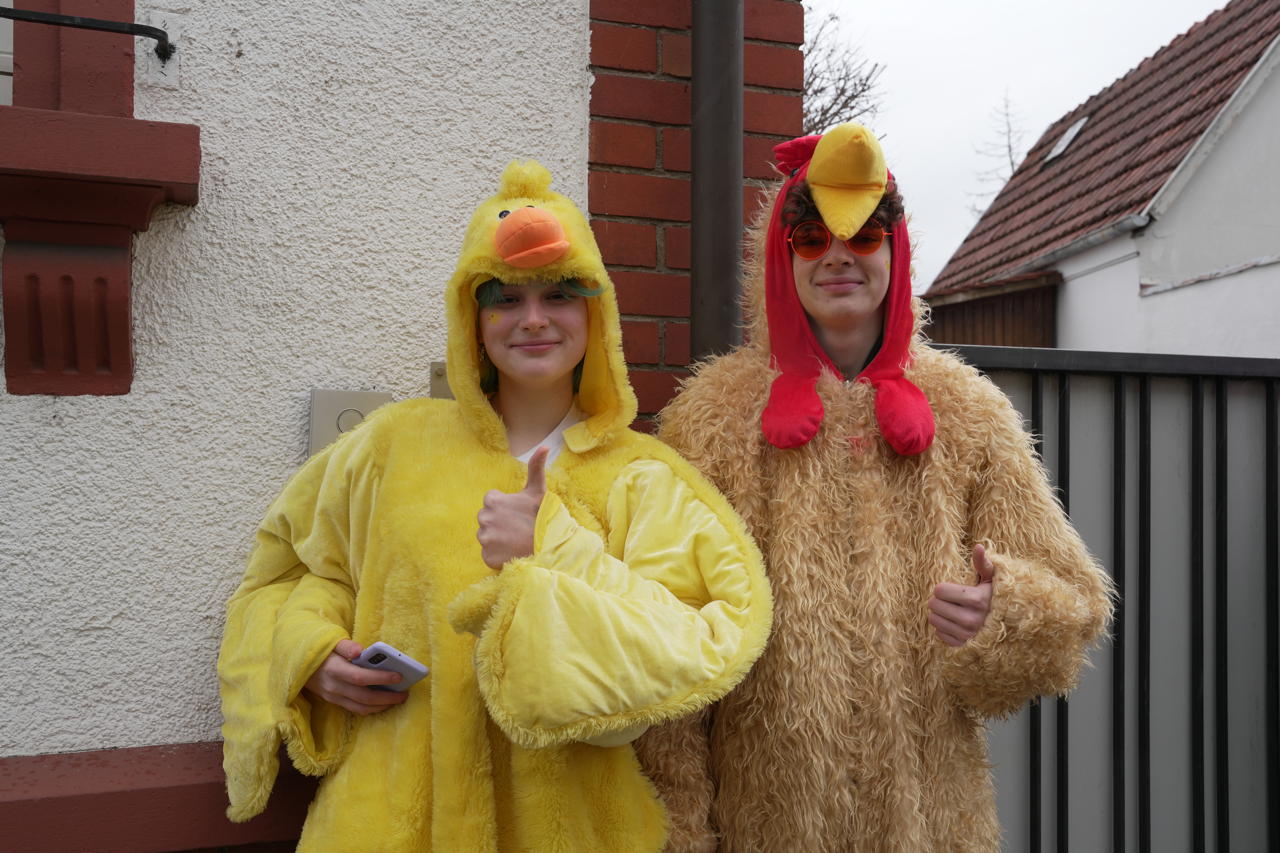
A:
847, 177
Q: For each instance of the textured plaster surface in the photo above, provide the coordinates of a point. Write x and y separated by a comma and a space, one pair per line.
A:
344, 146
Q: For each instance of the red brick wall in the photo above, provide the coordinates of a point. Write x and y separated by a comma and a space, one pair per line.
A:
639, 182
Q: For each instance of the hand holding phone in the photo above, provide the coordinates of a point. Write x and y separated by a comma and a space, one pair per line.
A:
340, 682
382, 655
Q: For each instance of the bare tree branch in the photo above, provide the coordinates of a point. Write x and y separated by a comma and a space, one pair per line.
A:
1005, 150
839, 83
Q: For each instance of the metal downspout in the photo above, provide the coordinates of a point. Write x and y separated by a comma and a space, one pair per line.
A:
716, 210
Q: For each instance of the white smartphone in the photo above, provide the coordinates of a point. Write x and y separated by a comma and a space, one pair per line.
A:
386, 656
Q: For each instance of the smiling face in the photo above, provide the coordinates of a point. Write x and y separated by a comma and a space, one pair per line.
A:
840, 290
535, 334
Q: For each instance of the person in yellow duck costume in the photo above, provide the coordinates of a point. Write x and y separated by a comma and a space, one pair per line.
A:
924, 575
637, 596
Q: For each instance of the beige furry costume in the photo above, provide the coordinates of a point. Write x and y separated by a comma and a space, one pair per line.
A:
858, 729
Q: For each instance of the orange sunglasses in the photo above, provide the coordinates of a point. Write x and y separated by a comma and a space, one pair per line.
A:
811, 239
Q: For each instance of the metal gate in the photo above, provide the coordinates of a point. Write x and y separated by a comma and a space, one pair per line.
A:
1168, 468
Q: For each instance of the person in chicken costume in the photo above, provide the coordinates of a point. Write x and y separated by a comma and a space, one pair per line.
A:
563, 605
924, 575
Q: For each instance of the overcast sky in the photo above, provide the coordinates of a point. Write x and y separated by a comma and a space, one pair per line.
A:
948, 65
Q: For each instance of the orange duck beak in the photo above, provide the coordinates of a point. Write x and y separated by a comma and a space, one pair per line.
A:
530, 237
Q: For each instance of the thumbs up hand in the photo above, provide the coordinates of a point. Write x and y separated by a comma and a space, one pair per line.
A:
506, 520
958, 611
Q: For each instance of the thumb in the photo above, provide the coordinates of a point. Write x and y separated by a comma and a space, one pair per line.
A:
537, 484
348, 649
985, 569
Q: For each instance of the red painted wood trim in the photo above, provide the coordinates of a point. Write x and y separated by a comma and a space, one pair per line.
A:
26, 200
67, 233
111, 149
60, 68
154, 798
66, 270
37, 52
78, 177
67, 318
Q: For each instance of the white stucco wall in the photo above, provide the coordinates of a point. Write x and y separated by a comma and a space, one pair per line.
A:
1100, 308
344, 146
1238, 315
1227, 212
1224, 217
6, 56
1098, 299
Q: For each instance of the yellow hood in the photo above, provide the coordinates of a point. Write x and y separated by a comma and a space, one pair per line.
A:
492, 249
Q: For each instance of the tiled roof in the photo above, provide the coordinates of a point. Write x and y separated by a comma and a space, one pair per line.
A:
1138, 130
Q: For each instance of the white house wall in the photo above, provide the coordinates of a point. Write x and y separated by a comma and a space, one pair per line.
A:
1100, 308
1238, 315
1098, 300
1226, 212
1222, 226
344, 147
1209, 262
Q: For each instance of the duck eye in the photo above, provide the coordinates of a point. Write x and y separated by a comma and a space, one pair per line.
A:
528, 205
502, 214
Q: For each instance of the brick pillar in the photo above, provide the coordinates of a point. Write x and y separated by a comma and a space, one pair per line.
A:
639, 180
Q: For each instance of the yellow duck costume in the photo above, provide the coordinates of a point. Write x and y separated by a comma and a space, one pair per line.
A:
859, 729
644, 600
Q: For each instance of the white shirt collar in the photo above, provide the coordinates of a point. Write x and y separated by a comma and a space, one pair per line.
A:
555, 440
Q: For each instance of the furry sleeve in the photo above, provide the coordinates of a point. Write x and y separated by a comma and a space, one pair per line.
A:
1051, 601
714, 424
293, 605
590, 636
676, 757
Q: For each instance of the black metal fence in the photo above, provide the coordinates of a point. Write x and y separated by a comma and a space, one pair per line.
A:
1168, 467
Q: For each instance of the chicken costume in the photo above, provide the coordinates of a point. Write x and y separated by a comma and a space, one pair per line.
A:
644, 600
858, 729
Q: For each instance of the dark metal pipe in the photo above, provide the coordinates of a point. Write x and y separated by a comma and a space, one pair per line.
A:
1119, 543
1063, 781
1221, 681
1272, 463
1197, 618
1077, 361
1144, 614
164, 47
717, 176
1036, 759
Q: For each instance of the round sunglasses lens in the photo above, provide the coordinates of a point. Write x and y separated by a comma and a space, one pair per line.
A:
867, 240
810, 240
